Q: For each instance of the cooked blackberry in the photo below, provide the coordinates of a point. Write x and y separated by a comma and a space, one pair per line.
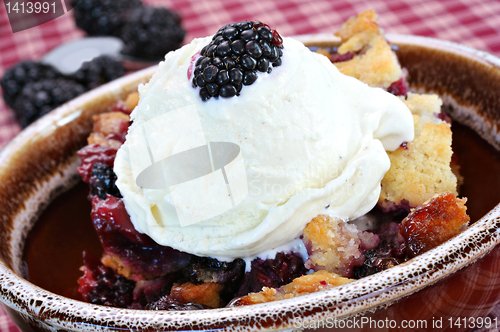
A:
272, 272
91, 154
98, 71
391, 251
38, 98
205, 269
102, 181
102, 17
101, 285
237, 52
152, 32
136, 252
399, 88
166, 303
18, 76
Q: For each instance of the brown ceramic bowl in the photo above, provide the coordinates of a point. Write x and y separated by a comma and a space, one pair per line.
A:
460, 278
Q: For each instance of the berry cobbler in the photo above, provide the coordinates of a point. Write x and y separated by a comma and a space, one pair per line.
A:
300, 126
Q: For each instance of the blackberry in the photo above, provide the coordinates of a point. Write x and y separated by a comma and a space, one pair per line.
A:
234, 57
91, 154
102, 181
166, 303
24, 72
101, 285
137, 251
205, 269
98, 71
399, 88
102, 17
390, 252
152, 32
38, 98
272, 272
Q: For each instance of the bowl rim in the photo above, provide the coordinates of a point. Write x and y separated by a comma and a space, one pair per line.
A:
349, 299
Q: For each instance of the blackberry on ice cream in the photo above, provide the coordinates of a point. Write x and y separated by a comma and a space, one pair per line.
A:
234, 57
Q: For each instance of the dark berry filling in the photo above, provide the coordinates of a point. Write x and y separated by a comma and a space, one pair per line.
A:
101, 285
136, 251
444, 116
102, 181
337, 57
390, 252
272, 272
397, 211
205, 269
399, 88
237, 52
92, 154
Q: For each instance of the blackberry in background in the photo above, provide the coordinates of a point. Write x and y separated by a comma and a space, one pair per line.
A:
148, 32
22, 73
98, 71
39, 98
32, 89
102, 181
151, 32
102, 17
234, 57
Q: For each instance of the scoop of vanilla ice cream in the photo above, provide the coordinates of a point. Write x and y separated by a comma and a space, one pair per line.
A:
312, 141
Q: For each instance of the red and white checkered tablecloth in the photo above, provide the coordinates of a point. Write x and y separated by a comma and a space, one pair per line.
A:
474, 23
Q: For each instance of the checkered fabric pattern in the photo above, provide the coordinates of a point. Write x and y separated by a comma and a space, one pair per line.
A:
474, 23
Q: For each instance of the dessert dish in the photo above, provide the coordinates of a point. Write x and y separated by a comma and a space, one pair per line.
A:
283, 106
42, 159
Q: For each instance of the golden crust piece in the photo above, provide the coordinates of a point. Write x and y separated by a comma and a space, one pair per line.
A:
132, 101
333, 245
305, 284
374, 62
207, 293
114, 262
108, 127
425, 106
110, 123
422, 168
434, 222
100, 139
365, 22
